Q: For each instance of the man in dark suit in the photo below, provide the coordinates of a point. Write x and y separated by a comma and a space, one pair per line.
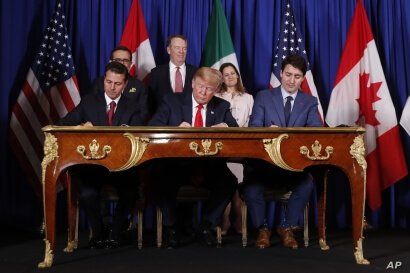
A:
173, 77
107, 107
198, 109
284, 106
135, 89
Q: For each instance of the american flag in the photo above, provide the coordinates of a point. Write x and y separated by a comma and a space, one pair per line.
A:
49, 92
290, 42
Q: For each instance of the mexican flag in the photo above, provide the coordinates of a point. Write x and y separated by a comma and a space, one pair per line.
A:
218, 43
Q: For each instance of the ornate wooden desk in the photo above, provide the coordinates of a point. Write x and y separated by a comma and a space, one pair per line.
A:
121, 148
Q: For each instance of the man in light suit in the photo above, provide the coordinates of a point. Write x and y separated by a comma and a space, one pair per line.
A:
107, 107
197, 109
284, 106
173, 77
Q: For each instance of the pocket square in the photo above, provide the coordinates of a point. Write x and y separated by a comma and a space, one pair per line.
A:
132, 90
212, 112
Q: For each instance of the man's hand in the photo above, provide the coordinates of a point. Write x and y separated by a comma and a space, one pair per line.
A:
185, 124
87, 124
273, 125
222, 125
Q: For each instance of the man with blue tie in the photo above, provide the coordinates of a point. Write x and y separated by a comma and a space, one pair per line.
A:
284, 106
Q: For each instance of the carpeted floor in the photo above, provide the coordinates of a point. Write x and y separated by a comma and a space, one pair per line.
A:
21, 251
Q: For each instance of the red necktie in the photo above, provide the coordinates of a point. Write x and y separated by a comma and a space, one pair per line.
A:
178, 81
110, 113
199, 122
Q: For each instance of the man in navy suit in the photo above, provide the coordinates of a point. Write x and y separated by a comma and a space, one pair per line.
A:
134, 89
197, 109
106, 107
173, 77
284, 106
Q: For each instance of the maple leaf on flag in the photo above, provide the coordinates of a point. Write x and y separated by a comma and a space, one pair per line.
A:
368, 96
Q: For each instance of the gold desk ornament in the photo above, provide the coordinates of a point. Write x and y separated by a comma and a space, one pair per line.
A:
272, 147
138, 147
358, 254
323, 245
94, 146
317, 149
48, 257
50, 152
357, 150
206, 145
71, 246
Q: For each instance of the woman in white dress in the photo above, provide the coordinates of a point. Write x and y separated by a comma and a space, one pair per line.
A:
233, 91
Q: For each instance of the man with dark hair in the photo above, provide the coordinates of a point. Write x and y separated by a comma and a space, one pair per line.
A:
134, 89
107, 107
197, 109
284, 106
173, 77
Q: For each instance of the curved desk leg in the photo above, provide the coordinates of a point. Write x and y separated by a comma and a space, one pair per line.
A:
72, 207
322, 213
358, 192
49, 203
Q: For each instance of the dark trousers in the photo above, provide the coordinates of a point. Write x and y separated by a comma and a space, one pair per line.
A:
171, 174
260, 176
90, 180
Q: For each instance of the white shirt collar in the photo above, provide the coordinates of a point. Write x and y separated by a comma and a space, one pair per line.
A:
108, 100
172, 66
286, 94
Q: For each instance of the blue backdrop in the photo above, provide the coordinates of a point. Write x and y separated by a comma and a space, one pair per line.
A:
95, 27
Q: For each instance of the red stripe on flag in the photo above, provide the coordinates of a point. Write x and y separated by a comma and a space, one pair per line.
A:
386, 165
65, 96
305, 87
35, 105
359, 35
54, 116
29, 130
25, 164
134, 27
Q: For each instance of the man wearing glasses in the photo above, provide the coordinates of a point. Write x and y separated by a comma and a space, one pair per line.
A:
135, 89
199, 108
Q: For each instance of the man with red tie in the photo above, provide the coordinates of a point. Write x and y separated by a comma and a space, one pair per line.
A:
108, 108
197, 109
173, 77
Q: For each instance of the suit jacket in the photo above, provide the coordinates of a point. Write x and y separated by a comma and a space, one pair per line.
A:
134, 90
93, 108
268, 110
160, 84
176, 108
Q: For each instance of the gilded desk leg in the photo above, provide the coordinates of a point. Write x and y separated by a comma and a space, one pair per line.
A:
357, 184
49, 202
159, 228
72, 206
322, 214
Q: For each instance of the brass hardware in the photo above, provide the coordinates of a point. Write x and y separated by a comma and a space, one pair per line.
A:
50, 152
323, 245
358, 254
94, 146
316, 148
206, 145
138, 146
272, 147
48, 257
357, 150
71, 246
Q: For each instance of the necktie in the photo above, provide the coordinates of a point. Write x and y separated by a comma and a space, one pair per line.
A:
288, 109
178, 81
110, 113
199, 122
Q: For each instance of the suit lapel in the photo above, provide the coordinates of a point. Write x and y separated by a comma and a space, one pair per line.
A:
187, 109
278, 106
298, 105
188, 75
167, 75
120, 111
210, 113
101, 109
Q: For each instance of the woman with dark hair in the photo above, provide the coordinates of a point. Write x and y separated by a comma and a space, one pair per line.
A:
233, 91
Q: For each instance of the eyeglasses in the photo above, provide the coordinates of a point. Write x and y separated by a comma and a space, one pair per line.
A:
123, 61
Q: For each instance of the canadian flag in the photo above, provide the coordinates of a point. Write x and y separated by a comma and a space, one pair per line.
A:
361, 97
135, 37
405, 117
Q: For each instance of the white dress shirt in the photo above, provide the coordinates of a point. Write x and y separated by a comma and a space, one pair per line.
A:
173, 70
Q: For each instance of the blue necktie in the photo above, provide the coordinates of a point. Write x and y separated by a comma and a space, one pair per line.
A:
288, 109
